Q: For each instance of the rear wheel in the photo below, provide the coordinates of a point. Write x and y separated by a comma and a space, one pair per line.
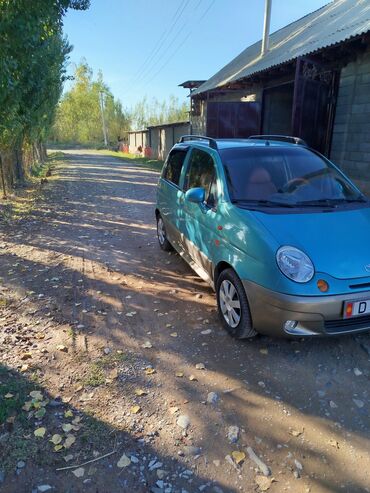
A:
162, 235
233, 306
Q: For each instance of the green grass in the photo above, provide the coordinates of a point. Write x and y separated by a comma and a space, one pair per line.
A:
96, 373
20, 388
153, 164
95, 376
15, 447
110, 360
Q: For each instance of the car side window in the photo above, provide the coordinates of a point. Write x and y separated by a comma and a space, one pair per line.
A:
201, 172
172, 170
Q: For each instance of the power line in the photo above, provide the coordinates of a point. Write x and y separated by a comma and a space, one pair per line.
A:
149, 72
180, 45
158, 45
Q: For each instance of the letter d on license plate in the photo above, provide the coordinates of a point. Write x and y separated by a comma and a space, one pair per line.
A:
356, 308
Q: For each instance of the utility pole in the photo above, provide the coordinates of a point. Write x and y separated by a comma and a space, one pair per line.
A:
101, 104
2, 178
266, 28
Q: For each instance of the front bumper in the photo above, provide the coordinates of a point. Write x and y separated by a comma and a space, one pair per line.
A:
315, 315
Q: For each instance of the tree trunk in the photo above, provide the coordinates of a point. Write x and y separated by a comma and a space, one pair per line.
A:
19, 170
2, 177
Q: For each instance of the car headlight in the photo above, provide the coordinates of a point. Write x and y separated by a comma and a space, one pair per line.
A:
295, 264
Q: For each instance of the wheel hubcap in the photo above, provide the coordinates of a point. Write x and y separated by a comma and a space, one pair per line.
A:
230, 303
161, 231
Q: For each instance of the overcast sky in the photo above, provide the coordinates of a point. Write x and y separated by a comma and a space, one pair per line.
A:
148, 47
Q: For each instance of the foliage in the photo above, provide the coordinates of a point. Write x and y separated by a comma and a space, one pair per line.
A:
33, 53
79, 118
155, 112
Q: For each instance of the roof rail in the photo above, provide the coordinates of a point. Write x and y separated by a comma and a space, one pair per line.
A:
282, 138
212, 142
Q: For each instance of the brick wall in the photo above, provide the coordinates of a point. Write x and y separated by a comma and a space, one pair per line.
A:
351, 133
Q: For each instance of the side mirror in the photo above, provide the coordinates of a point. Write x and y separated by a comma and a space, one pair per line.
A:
195, 195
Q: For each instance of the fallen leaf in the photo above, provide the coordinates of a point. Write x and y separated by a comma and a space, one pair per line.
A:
68, 414
200, 366
79, 472
66, 427
8, 395
62, 348
140, 392
238, 456
40, 432
57, 448
68, 457
135, 409
40, 413
264, 351
193, 378
124, 461
24, 368
147, 345
295, 433
56, 439
27, 406
173, 334
149, 371
263, 482
36, 394
179, 374
69, 441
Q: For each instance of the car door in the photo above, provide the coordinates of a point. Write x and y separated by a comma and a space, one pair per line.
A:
200, 224
169, 193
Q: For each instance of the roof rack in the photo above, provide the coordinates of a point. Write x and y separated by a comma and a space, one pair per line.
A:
282, 138
212, 142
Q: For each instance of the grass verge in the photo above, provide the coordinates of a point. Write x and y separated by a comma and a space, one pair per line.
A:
153, 164
22, 201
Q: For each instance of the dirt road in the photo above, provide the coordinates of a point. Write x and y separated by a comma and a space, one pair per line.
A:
126, 338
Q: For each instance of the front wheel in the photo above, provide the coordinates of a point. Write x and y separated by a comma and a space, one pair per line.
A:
233, 306
162, 235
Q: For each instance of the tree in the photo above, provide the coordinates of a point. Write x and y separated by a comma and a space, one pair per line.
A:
155, 112
33, 55
79, 118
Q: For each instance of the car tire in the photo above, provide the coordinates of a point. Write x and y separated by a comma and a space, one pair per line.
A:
233, 306
162, 235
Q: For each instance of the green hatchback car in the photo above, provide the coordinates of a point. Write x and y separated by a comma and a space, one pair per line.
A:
280, 233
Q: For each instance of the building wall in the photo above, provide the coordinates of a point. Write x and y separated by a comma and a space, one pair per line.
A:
199, 122
136, 140
351, 133
163, 138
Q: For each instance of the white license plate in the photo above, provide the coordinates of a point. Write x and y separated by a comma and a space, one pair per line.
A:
356, 308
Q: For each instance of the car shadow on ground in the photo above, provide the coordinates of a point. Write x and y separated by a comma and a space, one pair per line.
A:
293, 400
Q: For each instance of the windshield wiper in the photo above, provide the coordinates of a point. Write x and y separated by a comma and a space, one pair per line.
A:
331, 202
267, 203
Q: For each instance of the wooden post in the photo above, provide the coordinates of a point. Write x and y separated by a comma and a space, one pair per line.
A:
2, 178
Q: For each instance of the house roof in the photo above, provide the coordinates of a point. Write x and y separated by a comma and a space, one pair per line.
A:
336, 22
192, 84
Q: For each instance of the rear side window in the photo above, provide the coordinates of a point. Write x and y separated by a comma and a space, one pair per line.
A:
175, 161
202, 173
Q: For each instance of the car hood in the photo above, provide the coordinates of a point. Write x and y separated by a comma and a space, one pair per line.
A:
338, 242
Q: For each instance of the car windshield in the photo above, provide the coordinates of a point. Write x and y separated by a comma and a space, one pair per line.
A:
288, 176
